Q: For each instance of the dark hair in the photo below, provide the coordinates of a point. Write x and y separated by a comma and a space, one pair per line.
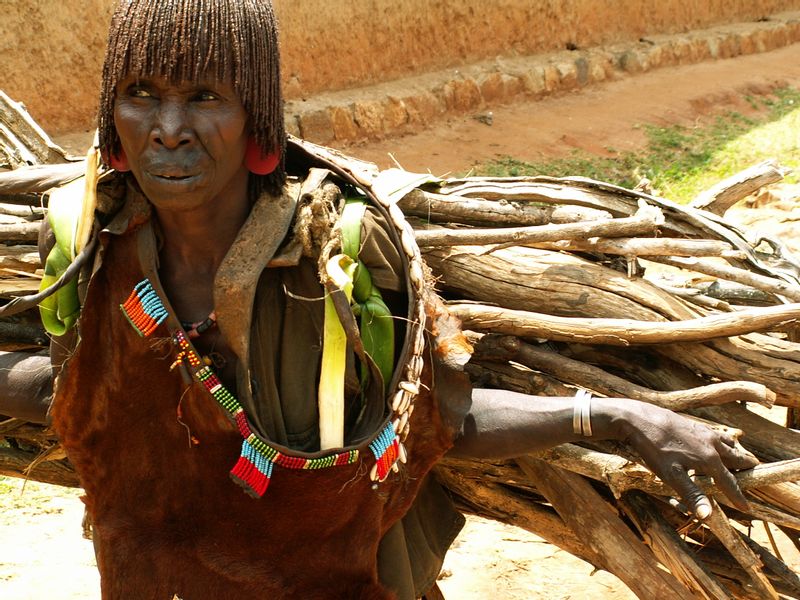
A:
183, 40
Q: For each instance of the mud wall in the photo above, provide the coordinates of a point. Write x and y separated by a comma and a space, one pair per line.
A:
51, 50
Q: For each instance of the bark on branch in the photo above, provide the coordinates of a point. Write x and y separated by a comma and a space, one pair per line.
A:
645, 222
509, 348
640, 246
622, 332
719, 198
438, 208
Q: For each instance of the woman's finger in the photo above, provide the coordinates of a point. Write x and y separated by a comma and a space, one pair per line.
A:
726, 482
693, 496
736, 456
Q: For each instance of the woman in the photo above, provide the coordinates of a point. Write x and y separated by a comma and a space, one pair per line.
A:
200, 350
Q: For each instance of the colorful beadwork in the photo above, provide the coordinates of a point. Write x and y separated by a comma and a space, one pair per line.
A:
386, 448
144, 309
253, 470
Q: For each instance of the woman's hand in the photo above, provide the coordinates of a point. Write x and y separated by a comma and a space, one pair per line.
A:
673, 445
503, 424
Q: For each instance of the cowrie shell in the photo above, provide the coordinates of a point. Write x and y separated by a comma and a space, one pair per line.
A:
397, 401
411, 388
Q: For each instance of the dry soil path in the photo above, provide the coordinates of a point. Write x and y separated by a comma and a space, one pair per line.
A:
596, 119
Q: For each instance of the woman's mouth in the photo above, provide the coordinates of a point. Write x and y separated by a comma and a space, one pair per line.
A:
172, 175
175, 179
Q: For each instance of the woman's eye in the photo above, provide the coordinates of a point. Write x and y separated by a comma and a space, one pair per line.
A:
206, 96
139, 92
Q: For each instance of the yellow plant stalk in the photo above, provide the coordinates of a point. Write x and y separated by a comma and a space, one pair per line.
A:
89, 204
339, 270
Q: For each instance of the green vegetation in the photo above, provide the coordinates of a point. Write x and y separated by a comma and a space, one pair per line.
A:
682, 161
5, 486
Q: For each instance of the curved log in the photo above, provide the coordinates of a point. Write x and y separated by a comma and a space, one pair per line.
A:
509, 348
644, 222
622, 332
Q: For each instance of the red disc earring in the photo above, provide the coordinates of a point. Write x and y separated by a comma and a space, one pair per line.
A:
118, 161
259, 163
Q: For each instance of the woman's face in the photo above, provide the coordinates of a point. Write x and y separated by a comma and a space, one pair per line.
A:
185, 143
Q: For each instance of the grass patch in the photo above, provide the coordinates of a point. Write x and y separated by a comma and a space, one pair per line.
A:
5, 486
682, 161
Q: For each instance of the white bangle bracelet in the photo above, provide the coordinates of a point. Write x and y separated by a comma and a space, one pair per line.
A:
582, 414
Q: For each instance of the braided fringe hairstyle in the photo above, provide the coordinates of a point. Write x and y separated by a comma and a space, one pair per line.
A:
184, 40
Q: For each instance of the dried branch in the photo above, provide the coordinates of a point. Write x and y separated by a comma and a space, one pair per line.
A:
760, 282
640, 246
730, 538
617, 549
622, 332
644, 222
438, 208
509, 348
670, 549
719, 198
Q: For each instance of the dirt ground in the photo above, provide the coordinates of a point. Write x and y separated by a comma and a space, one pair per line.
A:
42, 553
597, 119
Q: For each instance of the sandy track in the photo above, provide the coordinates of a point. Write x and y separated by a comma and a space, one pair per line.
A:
596, 119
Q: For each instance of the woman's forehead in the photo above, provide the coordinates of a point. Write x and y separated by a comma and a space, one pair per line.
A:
209, 79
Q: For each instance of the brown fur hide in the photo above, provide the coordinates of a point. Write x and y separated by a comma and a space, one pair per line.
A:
154, 455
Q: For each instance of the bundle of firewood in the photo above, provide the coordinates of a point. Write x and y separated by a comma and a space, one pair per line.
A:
565, 284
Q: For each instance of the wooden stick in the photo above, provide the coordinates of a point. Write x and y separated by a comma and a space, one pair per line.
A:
511, 377
19, 232
498, 502
32, 200
439, 208
723, 360
785, 495
618, 550
670, 549
29, 213
681, 220
537, 189
39, 178
639, 246
509, 348
21, 258
718, 523
773, 563
622, 475
25, 136
736, 293
719, 198
544, 281
760, 282
15, 463
622, 332
644, 222
766, 512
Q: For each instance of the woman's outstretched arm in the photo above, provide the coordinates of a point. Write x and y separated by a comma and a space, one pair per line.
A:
503, 424
26, 386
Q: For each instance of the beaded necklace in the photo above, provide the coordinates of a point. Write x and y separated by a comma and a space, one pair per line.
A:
253, 471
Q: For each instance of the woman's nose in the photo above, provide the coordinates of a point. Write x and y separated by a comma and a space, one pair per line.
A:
171, 128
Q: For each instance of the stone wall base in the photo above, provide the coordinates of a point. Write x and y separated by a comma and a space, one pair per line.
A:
410, 104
